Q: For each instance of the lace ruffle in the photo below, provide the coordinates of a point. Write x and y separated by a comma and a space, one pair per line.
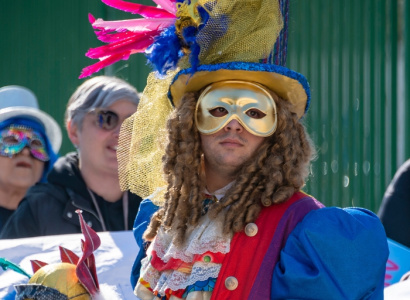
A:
175, 280
206, 237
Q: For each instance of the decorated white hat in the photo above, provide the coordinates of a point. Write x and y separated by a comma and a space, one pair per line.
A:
17, 101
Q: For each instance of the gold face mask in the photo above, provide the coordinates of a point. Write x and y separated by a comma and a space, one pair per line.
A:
248, 103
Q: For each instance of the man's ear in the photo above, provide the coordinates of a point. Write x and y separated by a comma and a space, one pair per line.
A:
73, 133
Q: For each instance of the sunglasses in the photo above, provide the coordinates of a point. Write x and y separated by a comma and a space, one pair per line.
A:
106, 119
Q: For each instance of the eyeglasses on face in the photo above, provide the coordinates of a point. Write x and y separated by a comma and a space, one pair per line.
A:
105, 119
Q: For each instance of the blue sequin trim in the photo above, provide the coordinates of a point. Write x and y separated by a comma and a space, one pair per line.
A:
248, 66
201, 286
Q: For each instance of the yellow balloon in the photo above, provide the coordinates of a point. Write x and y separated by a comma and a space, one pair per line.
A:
63, 278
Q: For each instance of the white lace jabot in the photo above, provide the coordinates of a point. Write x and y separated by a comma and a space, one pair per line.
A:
221, 192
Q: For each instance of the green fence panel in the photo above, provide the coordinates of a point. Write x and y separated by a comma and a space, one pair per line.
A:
43, 45
349, 52
355, 55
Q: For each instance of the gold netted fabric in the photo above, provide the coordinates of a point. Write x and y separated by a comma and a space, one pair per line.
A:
142, 141
236, 31
244, 30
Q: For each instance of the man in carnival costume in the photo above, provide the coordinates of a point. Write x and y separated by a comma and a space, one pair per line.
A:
232, 221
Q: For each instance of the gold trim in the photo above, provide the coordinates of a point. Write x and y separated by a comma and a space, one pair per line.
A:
285, 87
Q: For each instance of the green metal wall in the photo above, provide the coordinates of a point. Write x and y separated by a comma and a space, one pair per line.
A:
355, 55
42, 47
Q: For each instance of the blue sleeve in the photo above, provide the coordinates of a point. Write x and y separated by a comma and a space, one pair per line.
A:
145, 212
333, 254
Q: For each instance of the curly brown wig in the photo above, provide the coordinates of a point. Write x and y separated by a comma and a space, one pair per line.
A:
276, 171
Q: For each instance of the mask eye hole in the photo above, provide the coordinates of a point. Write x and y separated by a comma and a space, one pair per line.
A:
35, 144
255, 113
218, 112
11, 140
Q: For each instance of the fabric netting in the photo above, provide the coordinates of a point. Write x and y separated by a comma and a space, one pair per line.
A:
244, 31
142, 140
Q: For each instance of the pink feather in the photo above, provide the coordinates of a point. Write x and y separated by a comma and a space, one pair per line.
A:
128, 36
133, 44
88, 71
140, 9
114, 37
91, 18
168, 5
134, 25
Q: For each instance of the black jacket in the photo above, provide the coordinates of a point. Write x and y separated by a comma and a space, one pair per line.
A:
49, 208
394, 210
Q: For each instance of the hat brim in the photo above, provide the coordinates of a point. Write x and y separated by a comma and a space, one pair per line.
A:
287, 84
51, 127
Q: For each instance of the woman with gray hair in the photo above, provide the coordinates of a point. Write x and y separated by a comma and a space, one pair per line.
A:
88, 178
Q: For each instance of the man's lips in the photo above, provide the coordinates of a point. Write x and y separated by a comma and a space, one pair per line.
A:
231, 142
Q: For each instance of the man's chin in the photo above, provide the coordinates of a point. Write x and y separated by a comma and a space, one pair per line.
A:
230, 167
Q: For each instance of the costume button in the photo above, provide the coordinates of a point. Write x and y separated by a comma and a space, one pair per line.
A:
231, 283
251, 229
70, 215
89, 223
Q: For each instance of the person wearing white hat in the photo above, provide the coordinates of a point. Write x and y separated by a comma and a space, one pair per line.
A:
29, 143
88, 178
